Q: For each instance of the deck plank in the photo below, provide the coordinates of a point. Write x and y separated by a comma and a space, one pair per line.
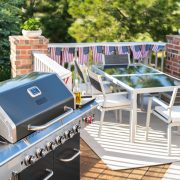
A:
93, 168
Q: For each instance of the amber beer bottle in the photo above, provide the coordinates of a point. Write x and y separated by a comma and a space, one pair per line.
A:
77, 92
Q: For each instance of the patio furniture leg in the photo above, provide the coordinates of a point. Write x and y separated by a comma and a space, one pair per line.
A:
148, 118
101, 122
131, 113
120, 116
116, 115
169, 139
142, 101
162, 61
156, 60
133, 117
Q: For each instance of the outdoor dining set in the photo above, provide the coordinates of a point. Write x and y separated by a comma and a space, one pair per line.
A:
119, 85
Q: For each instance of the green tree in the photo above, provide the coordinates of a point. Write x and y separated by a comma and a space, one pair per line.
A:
10, 18
119, 20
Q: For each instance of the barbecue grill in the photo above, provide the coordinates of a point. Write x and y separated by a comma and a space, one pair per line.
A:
38, 125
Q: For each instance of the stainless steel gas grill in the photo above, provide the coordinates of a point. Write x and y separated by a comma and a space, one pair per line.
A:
39, 128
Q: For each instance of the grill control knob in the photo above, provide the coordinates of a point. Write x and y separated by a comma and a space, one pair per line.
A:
60, 139
40, 152
50, 146
71, 134
76, 128
29, 160
66, 134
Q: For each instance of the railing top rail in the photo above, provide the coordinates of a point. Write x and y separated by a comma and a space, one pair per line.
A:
51, 64
76, 45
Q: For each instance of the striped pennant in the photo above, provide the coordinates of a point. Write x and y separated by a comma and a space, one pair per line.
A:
83, 55
136, 50
108, 50
97, 53
145, 50
122, 50
52, 53
66, 80
157, 48
58, 55
68, 54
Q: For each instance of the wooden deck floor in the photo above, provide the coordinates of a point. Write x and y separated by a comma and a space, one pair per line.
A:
93, 168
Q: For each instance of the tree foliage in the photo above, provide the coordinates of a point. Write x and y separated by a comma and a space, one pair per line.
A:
10, 18
119, 20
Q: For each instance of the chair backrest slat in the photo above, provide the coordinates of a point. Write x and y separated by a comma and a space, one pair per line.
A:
79, 71
123, 59
174, 94
95, 81
167, 97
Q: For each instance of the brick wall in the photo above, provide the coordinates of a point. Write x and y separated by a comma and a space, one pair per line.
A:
21, 53
172, 64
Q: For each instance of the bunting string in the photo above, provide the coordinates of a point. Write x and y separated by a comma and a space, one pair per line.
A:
67, 55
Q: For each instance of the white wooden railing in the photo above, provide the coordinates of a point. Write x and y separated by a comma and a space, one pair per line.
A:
76, 45
43, 63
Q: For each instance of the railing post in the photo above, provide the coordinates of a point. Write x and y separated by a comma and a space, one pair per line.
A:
21, 53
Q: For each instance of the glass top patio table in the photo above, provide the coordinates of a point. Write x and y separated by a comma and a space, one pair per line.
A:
137, 77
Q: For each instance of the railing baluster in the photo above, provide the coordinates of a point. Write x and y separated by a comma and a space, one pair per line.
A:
43, 63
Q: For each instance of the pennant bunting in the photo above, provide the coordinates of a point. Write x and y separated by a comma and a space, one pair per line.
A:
136, 50
145, 50
157, 48
97, 53
68, 54
83, 54
52, 53
122, 50
58, 55
108, 50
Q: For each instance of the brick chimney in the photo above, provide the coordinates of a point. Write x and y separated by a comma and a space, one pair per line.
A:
21, 53
172, 64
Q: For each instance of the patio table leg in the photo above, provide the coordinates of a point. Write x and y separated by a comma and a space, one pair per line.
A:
133, 117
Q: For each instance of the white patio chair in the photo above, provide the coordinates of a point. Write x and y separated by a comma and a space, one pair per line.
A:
170, 114
108, 102
114, 59
85, 85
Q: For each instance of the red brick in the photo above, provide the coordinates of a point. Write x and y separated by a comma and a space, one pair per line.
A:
23, 52
170, 46
23, 57
39, 46
23, 47
169, 62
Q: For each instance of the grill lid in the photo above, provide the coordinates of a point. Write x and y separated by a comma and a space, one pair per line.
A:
33, 99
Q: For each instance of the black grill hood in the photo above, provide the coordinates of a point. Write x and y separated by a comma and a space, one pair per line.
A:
33, 99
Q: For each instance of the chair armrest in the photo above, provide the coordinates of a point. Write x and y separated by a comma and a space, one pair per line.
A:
121, 93
158, 101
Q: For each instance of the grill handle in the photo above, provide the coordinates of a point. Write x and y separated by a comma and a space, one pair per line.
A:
44, 126
49, 175
73, 157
